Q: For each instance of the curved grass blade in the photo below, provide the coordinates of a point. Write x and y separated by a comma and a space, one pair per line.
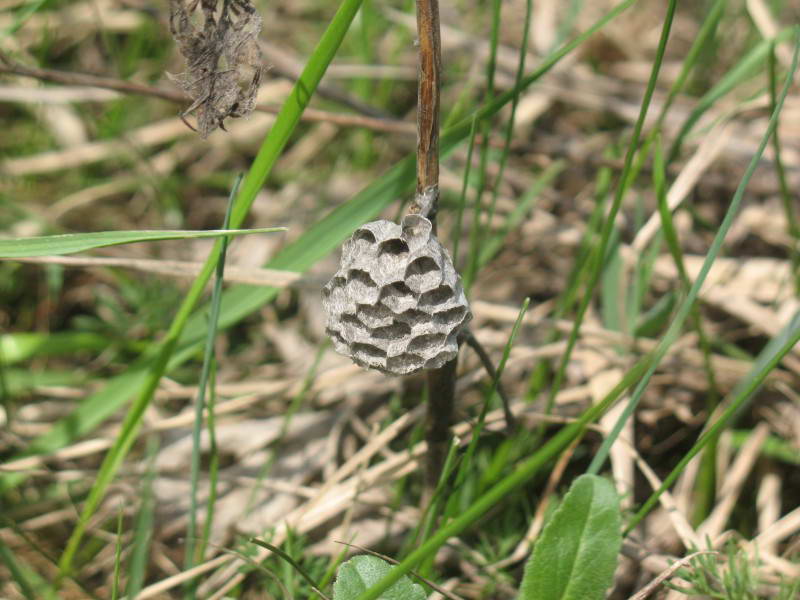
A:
200, 402
240, 301
767, 361
687, 305
598, 258
273, 144
70, 243
750, 65
524, 472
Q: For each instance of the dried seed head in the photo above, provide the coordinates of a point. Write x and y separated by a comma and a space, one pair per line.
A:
396, 303
223, 58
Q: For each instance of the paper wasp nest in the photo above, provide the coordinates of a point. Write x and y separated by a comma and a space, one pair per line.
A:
396, 303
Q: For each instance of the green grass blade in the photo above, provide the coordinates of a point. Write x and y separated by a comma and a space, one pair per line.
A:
20, 573
143, 526
495, 495
19, 347
687, 305
462, 201
70, 243
284, 125
704, 36
491, 246
766, 363
751, 64
793, 228
467, 462
317, 242
117, 557
523, 51
200, 402
599, 256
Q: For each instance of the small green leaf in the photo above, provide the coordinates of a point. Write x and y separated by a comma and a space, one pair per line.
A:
576, 555
78, 242
360, 572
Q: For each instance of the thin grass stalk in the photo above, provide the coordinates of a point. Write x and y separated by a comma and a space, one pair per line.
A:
497, 493
707, 477
750, 65
213, 466
275, 141
462, 201
467, 463
793, 229
200, 402
485, 131
567, 299
139, 557
115, 578
599, 256
433, 510
523, 50
686, 306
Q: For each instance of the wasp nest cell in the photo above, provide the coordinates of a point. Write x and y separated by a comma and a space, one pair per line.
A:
396, 303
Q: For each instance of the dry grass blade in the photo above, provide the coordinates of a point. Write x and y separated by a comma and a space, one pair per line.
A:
175, 268
651, 587
223, 59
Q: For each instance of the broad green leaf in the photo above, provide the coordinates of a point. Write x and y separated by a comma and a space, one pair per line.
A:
70, 243
576, 555
360, 572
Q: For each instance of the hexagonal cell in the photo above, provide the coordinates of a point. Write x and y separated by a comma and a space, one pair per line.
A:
426, 341
392, 332
354, 321
374, 315
394, 246
367, 350
398, 297
440, 359
338, 341
440, 295
361, 277
364, 235
416, 231
422, 274
361, 287
404, 364
412, 316
451, 316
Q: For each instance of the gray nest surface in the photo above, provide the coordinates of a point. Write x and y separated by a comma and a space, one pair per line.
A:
396, 303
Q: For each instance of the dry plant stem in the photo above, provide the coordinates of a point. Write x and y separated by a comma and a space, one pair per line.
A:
10, 66
441, 381
430, 66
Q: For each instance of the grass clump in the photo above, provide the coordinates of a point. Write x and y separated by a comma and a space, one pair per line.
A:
621, 171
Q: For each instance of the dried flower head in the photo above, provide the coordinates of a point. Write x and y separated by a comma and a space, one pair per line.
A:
396, 303
223, 59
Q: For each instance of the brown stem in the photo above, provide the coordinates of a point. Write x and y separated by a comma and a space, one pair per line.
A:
430, 67
441, 382
7, 65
